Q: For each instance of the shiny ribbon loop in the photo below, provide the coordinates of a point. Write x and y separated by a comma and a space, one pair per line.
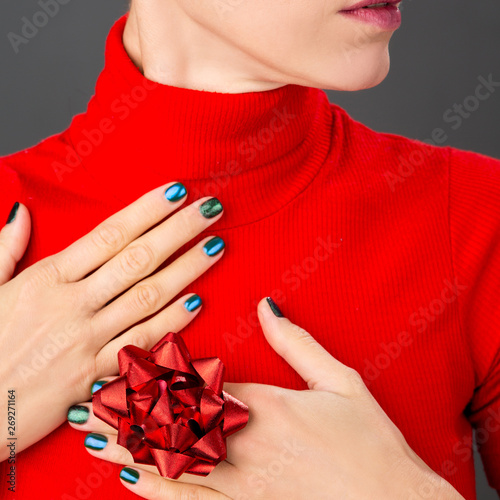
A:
170, 411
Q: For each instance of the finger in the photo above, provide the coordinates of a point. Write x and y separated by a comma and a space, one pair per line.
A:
145, 254
154, 487
319, 369
173, 318
14, 238
151, 294
82, 418
117, 231
104, 446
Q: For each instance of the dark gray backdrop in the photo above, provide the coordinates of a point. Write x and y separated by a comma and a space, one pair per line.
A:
436, 59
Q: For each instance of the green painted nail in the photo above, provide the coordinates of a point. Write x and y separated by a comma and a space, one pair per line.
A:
211, 208
129, 475
274, 307
13, 212
95, 441
78, 414
97, 385
213, 246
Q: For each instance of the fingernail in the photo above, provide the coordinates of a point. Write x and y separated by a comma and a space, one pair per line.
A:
97, 385
78, 414
211, 208
175, 192
129, 475
193, 303
12, 213
95, 441
213, 246
274, 308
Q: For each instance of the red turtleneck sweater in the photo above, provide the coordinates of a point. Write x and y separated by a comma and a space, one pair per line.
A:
386, 249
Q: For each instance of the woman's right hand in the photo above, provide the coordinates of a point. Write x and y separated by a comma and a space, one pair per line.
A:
63, 319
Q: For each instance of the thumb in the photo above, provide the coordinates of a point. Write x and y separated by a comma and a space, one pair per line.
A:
14, 238
319, 369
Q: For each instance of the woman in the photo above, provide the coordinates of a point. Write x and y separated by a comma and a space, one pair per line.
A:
382, 251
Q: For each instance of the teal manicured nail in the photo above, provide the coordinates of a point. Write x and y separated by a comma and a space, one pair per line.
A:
129, 475
274, 308
13, 212
175, 192
97, 385
211, 208
213, 246
193, 303
78, 414
95, 441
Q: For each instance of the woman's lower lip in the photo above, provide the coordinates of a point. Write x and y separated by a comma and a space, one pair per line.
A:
387, 18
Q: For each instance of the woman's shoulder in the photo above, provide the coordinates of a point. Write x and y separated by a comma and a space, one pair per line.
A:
37, 160
10, 182
400, 158
33, 172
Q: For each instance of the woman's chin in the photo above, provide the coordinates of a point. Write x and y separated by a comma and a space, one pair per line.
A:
358, 76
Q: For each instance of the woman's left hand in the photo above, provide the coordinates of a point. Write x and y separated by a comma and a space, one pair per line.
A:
332, 441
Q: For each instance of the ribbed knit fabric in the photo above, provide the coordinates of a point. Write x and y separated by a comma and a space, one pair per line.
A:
386, 249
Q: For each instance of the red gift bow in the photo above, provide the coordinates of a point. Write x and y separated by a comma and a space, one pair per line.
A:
170, 411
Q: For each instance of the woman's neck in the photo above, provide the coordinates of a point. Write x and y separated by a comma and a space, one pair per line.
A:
171, 48
256, 151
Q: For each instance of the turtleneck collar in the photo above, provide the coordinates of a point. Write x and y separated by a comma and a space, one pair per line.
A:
254, 151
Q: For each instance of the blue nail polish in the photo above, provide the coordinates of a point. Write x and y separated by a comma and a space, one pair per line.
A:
193, 303
213, 246
97, 385
175, 192
95, 441
129, 475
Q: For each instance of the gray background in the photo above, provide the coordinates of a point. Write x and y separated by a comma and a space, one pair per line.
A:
436, 59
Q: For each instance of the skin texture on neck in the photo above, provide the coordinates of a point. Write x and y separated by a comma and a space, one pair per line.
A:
169, 47
237, 46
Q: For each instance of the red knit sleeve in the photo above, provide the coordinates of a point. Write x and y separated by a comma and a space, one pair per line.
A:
475, 240
9, 190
